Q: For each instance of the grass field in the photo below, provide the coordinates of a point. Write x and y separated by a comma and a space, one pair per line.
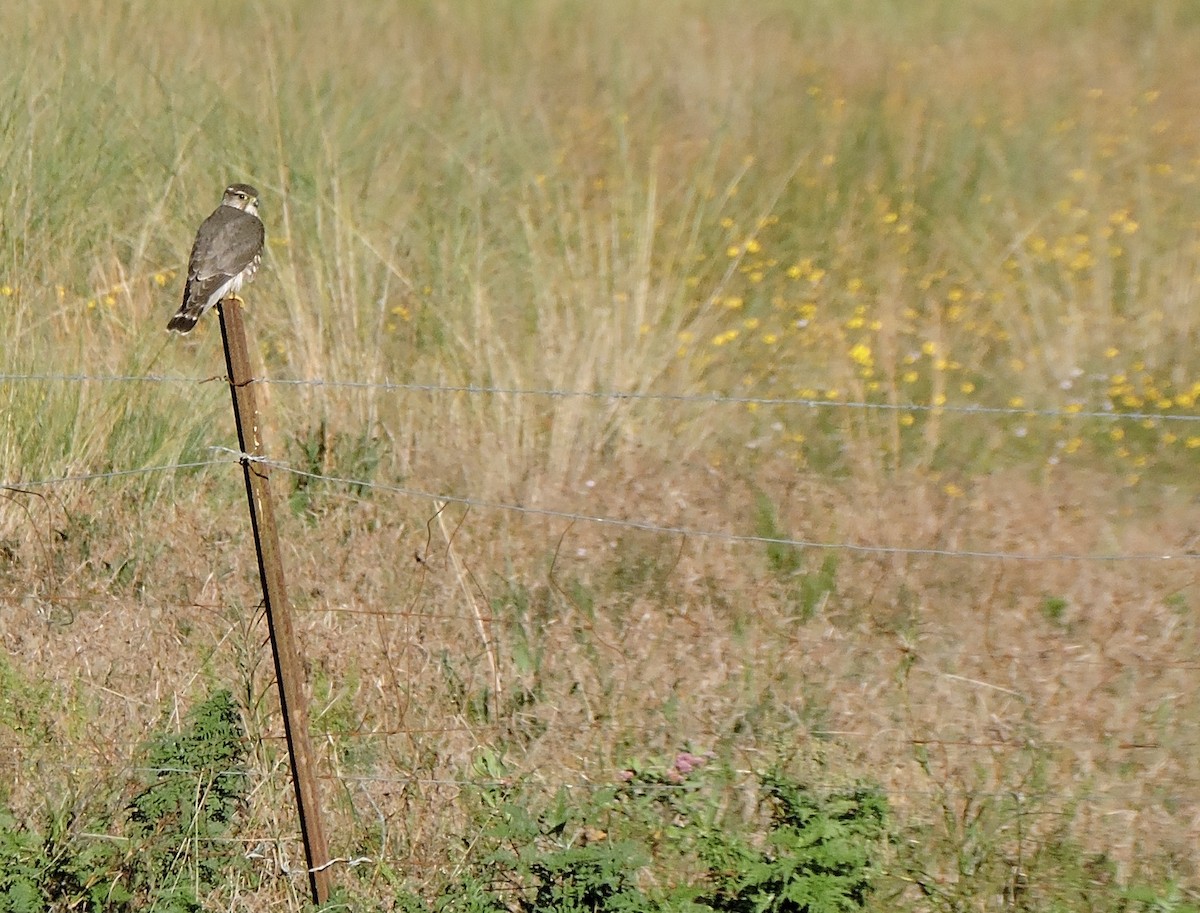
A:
913, 283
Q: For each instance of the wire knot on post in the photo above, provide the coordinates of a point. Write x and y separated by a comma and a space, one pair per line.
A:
242, 457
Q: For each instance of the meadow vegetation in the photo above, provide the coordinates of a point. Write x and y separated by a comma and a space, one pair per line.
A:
893, 289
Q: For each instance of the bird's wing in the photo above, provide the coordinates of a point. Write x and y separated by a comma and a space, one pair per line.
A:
228, 241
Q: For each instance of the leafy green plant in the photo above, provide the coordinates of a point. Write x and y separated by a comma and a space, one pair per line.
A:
171, 847
665, 839
197, 783
22, 867
818, 854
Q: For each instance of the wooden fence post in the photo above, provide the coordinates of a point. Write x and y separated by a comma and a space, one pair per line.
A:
289, 674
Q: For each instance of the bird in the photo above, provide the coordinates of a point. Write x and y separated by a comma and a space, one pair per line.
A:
225, 255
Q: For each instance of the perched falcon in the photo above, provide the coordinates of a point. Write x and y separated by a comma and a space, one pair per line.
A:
225, 257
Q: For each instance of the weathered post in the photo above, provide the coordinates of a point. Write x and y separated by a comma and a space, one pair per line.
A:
289, 674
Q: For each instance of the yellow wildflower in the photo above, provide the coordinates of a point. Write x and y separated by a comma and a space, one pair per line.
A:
860, 354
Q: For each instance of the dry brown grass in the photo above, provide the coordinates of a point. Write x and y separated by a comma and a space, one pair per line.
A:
944, 678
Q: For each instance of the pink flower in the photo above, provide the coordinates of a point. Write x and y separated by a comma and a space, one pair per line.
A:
686, 762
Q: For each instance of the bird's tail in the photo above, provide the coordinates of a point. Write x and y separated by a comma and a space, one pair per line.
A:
183, 322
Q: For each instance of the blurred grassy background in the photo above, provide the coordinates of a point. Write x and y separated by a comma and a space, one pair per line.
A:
931, 204
937, 204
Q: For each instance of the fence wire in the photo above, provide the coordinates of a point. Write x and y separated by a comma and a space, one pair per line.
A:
721, 535
618, 778
1075, 411
17, 484
614, 522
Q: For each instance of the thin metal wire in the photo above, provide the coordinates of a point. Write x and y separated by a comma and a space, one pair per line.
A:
392, 614
894, 737
398, 613
114, 474
734, 538
24, 598
630, 395
51, 377
720, 398
685, 786
612, 779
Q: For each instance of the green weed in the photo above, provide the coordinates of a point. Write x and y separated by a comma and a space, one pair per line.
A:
665, 840
169, 845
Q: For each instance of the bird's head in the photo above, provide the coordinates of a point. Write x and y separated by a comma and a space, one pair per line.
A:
241, 196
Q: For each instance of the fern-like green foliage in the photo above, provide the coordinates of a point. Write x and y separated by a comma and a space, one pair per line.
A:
168, 845
195, 785
595, 877
21, 867
663, 842
817, 857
